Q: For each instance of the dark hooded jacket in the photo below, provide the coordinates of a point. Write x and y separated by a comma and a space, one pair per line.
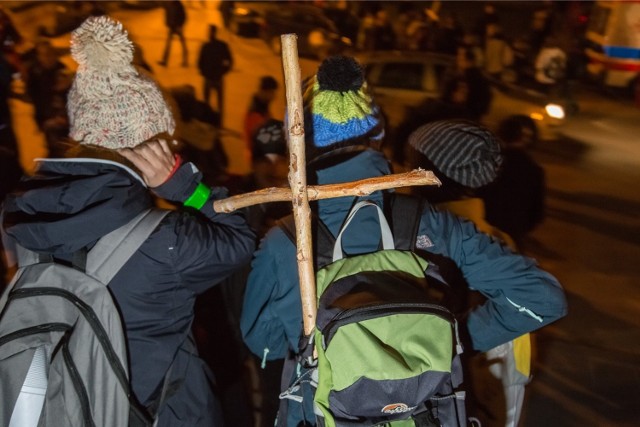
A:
70, 203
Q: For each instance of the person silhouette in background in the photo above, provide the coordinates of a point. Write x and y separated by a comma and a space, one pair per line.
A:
515, 200
218, 311
384, 38
174, 18
47, 84
498, 55
214, 62
259, 112
479, 95
489, 16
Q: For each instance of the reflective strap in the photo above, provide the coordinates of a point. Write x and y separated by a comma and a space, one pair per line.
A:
263, 364
385, 230
522, 309
26, 412
310, 377
459, 348
199, 197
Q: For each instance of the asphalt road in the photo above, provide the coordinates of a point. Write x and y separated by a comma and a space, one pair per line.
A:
586, 371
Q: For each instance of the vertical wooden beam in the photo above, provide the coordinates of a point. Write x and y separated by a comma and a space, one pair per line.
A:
298, 180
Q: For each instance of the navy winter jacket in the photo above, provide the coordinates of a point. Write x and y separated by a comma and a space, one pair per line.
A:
71, 203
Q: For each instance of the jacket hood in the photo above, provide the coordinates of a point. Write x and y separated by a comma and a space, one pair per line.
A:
367, 164
70, 203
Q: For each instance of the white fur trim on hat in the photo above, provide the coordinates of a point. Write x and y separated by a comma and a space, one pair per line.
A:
110, 104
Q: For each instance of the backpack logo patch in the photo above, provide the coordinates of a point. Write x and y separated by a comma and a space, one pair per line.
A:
397, 408
423, 242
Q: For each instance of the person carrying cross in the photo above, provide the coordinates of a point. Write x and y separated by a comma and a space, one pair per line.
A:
344, 130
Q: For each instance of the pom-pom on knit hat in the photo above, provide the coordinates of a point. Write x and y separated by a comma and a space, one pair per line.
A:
339, 110
465, 152
110, 104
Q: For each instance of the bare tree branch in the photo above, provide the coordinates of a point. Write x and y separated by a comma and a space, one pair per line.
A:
317, 192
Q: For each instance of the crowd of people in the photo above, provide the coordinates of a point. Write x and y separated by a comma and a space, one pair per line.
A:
521, 58
113, 139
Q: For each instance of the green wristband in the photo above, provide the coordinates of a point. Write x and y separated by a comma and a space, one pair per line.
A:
199, 197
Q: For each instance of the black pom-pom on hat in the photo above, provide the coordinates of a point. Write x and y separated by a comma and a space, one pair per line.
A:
340, 74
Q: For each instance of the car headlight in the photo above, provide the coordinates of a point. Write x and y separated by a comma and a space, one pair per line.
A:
241, 11
555, 111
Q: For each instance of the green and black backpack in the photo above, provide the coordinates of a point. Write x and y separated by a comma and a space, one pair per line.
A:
388, 352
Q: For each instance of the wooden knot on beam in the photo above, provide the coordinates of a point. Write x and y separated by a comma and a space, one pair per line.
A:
297, 129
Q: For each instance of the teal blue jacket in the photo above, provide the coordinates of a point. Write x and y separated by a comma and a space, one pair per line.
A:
520, 297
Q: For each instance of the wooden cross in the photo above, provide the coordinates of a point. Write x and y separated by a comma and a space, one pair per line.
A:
299, 193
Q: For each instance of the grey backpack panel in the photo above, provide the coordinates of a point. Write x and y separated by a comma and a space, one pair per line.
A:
70, 318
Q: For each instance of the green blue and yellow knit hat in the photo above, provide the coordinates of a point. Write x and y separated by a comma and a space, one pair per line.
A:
339, 110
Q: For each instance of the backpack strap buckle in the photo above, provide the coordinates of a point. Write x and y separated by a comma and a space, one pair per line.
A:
306, 351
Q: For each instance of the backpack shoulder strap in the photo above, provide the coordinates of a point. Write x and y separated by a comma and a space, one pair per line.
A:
406, 212
25, 256
404, 215
113, 250
288, 226
323, 240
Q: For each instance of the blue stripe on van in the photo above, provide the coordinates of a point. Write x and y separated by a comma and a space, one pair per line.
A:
622, 52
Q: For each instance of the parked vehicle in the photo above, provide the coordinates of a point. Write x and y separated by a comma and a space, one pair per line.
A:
613, 43
404, 80
317, 34
245, 19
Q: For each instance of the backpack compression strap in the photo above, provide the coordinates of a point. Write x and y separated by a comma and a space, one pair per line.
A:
406, 212
112, 251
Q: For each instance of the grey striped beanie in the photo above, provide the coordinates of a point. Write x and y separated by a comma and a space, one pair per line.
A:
462, 150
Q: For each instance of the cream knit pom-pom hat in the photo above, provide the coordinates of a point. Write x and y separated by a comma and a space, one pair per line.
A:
110, 104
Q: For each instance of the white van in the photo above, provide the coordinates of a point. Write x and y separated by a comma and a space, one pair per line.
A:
613, 43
